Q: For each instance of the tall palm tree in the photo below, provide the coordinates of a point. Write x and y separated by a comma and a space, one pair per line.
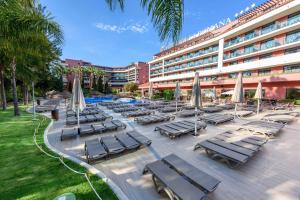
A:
27, 32
166, 16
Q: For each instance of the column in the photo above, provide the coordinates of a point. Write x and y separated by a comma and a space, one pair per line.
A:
220, 54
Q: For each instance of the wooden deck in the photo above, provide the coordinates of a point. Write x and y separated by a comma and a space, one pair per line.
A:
274, 173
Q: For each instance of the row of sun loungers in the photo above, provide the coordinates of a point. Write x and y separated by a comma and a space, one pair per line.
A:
216, 118
168, 109
189, 113
45, 108
101, 127
226, 106
154, 106
84, 130
211, 109
142, 104
153, 119
269, 129
88, 118
137, 113
177, 129
234, 152
179, 179
125, 109
86, 111
112, 145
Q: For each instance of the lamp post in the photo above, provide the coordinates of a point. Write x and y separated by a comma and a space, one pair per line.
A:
33, 102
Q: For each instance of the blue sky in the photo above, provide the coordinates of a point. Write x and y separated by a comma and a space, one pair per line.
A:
96, 34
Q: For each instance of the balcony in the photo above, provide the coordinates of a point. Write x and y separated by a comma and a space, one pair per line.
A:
276, 27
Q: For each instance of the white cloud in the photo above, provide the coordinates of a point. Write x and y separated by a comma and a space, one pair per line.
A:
134, 27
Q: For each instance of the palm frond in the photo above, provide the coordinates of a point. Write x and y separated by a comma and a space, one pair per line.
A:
112, 4
166, 16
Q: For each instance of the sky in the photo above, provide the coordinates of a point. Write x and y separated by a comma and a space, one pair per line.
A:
94, 33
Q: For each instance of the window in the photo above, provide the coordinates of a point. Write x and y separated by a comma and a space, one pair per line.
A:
232, 75
294, 18
292, 37
291, 69
293, 93
264, 56
215, 48
249, 35
249, 59
292, 50
267, 44
247, 74
233, 63
268, 28
264, 72
249, 49
215, 59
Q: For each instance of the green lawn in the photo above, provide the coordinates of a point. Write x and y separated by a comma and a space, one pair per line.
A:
26, 173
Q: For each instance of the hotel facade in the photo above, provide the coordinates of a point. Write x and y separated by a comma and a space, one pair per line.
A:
262, 43
116, 77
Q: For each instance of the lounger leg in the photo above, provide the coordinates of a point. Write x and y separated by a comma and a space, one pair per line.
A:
145, 171
197, 146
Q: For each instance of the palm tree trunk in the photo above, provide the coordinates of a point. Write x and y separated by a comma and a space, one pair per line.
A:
2, 88
25, 94
14, 86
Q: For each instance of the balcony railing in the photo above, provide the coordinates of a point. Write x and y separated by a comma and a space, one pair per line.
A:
262, 47
277, 26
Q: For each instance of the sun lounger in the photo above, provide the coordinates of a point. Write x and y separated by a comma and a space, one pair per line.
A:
153, 119
112, 145
189, 113
68, 133
269, 129
98, 128
168, 109
94, 150
211, 109
44, 108
242, 113
137, 113
154, 106
216, 118
255, 140
85, 130
188, 108
83, 119
232, 158
168, 180
139, 137
177, 129
70, 113
127, 141
226, 106
71, 120
284, 118
114, 125
90, 118
197, 177
125, 109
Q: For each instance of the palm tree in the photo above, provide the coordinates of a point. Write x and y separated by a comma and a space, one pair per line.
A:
166, 16
28, 32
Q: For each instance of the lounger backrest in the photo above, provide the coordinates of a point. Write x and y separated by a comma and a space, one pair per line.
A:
193, 174
175, 182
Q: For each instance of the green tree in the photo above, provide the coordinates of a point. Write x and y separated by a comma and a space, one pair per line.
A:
30, 39
131, 87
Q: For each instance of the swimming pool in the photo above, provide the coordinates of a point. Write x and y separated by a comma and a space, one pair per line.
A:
91, 100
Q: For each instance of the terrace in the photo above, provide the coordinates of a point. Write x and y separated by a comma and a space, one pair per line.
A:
272, 173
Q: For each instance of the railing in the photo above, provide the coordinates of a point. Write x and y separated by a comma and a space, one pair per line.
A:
277, 26
262, 47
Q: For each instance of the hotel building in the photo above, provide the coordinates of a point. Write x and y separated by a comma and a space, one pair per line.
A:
262, 43
116, 77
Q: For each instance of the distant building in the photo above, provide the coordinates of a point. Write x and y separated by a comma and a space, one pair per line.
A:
263, 43
116, 77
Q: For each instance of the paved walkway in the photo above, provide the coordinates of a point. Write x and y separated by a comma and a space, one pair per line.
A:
272, 174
